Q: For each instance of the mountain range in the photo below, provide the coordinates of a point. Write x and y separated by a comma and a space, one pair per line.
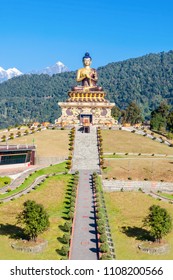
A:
58, 67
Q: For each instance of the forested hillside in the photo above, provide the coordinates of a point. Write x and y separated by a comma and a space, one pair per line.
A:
146, 80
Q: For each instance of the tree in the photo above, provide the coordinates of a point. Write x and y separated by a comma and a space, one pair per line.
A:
34, 218
159, 222
170, 121
159, 117
116, 112
132, 114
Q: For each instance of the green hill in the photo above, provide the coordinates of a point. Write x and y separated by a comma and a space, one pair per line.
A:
147, 80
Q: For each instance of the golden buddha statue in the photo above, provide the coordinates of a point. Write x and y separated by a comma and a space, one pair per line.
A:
87, 75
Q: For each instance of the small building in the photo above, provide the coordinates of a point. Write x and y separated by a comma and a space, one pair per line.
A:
17, 154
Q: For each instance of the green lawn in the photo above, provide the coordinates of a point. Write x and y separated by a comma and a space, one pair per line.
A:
4, 181
167, 195
126, 211
29, 180
51, 194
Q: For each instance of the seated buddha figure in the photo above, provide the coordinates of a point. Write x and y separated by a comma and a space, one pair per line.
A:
87, 75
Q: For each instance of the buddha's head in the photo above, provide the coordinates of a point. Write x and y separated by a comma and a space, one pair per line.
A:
87, 60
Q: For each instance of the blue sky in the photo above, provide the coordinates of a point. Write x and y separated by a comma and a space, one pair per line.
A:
37, 33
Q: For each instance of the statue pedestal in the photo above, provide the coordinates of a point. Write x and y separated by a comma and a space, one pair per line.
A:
82, 104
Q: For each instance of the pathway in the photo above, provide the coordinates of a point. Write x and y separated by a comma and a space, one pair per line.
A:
84, 239
86, 161
37, 181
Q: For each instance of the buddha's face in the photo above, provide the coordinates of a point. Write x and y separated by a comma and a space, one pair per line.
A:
87, 61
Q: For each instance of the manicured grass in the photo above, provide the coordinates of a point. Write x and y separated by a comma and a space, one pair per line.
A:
167, 195
57, 168
4, 181
122, 141
49, 143
126, 211
112, 156
153, 169
51, 194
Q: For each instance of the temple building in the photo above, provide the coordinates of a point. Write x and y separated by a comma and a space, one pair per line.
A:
86, 102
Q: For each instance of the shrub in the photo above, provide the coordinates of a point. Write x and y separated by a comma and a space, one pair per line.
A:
104, 248
99, 215
106, 256
100, 222
66, 238
72, 204
101, 229
103, 238
67, 227
64, 250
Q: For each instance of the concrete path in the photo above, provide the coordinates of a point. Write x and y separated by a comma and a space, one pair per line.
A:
20, 178
86, 161
84, 238
25, 191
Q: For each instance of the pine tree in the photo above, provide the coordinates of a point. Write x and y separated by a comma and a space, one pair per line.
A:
132, 114
159, 117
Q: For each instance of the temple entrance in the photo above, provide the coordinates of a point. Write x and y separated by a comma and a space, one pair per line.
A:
86, 119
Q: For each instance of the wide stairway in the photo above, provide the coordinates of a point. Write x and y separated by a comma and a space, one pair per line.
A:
86, 161
85, 155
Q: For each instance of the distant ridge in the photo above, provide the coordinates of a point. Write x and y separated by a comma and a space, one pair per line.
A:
57, 68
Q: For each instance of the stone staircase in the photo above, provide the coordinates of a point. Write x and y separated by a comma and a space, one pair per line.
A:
85, 155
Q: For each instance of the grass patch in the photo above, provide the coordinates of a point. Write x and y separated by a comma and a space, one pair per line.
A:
154, 169
126, 212
30, 179
112, 156
4, 181
166, 195
49, 143
51, 194
123, 141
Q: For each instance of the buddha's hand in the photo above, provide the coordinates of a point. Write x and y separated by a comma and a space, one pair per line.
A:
88, 76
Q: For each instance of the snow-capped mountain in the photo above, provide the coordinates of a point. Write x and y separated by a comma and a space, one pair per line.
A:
58, 67
8, 74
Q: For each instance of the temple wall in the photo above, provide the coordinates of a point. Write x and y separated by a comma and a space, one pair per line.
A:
86, 103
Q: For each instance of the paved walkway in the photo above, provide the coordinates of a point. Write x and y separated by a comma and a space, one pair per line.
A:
86, 161
84, 239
